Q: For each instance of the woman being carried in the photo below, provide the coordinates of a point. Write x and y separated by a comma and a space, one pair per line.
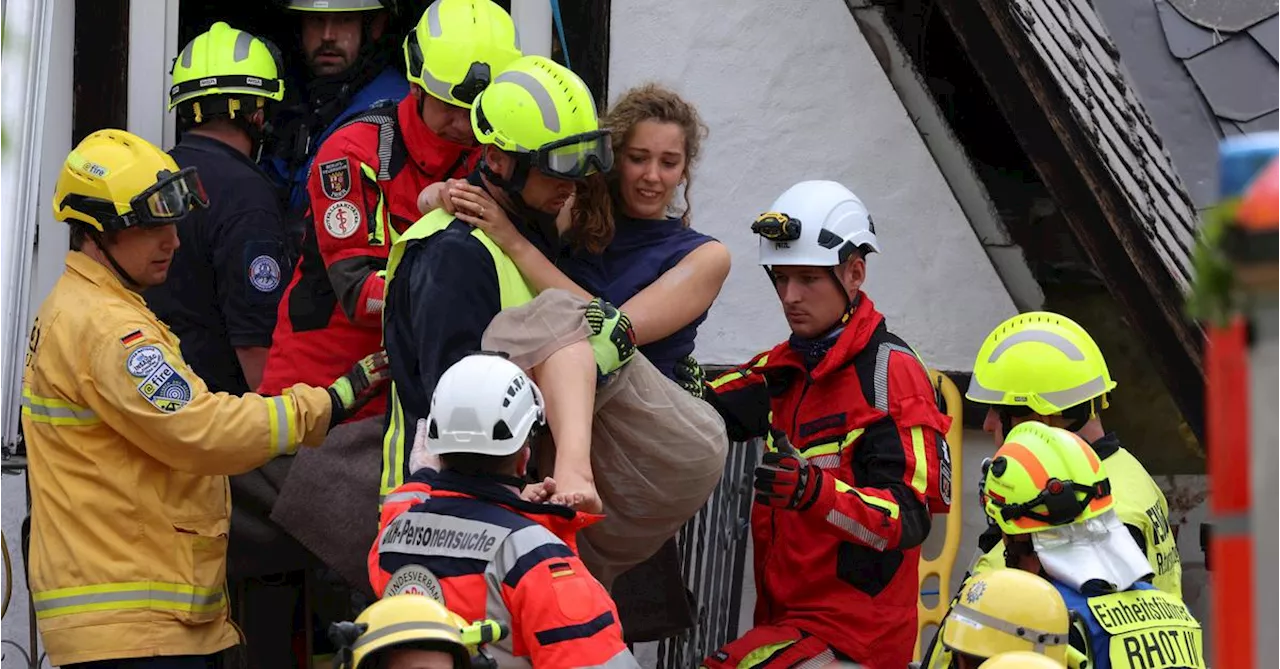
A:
625, 248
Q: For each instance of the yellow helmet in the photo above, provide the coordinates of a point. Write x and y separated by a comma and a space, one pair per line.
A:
228, 62
543, 113
114, 180
410, 621
1022, 660
1040, 360
1044, 477
1007, 610
458, 47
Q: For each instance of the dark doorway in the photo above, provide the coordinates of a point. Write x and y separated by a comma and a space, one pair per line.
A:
100, 67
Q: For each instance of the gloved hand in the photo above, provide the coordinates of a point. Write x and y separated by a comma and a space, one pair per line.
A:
689, 376
353, 390
612, 339
787, 481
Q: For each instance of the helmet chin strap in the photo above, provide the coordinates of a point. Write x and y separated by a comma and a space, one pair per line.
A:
513, 187
102, 246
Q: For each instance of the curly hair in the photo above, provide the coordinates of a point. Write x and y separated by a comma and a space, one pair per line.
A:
593, 225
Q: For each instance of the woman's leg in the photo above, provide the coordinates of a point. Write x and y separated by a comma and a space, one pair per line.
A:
568, 382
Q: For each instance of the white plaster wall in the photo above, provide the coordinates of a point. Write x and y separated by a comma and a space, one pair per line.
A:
791, 91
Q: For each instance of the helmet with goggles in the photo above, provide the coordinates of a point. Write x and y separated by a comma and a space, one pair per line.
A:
543, 114
458, 47
114, 180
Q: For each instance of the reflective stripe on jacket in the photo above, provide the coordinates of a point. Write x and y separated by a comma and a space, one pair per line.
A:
474, 545
128, 454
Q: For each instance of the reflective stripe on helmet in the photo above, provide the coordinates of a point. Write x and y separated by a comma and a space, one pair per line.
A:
1038, 638
540, 94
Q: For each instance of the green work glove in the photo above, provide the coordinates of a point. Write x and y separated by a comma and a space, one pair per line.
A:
612, 340
353, 390
689, 376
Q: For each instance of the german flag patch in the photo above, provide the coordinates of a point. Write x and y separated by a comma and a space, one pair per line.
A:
561, 569
131, 338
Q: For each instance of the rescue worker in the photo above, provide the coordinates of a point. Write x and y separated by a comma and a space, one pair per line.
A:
412, 631
1044, 367
129, 450
1002, 611
464, 536
348, 49
364, 188
1049, 494
839, 517
537, 122
228, 272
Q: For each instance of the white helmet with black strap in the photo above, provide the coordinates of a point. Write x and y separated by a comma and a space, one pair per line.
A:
484, 404
815, 224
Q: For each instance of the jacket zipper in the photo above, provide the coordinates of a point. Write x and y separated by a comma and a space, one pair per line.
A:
773, 513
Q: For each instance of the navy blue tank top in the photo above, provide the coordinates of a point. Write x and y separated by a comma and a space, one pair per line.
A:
641, 251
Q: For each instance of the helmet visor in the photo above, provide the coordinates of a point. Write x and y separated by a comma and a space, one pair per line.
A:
576, 157
171, 199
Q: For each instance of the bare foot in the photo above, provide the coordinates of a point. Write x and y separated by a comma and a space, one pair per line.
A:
539, 493
577, 492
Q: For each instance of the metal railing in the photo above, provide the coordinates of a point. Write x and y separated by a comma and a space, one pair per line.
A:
713, 555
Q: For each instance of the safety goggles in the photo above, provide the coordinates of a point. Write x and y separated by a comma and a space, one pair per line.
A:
168, 201
776, 227
478, 76
576, 157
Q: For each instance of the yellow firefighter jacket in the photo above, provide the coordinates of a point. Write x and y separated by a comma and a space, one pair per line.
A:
129, 454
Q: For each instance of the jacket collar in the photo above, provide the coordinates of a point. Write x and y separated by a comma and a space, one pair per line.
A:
203, 143
431, 153
858, 330
97, 274
561, 520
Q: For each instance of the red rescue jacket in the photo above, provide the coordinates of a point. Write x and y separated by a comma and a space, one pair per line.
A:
363, 190
845, 570
479, 549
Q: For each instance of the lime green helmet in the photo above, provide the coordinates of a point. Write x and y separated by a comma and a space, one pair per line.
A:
543, 113
225, 62
458, 47
1044, 477
1040, 360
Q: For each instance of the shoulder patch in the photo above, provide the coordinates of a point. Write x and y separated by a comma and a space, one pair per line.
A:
342, 219
144, 361
335, 178
414, 579
264, 273
165, 388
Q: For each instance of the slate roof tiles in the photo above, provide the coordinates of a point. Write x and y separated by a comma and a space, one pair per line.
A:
1071, 39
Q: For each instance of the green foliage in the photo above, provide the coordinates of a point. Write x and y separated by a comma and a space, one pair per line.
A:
1213, 297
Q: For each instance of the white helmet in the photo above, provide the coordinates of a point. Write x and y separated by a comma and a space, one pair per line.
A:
483, 404
816, 224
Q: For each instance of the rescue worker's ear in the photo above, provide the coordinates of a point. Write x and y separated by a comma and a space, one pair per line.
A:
851, 274
499, 161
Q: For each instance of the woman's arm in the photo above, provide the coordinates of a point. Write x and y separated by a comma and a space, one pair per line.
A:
680, 295
475, 207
